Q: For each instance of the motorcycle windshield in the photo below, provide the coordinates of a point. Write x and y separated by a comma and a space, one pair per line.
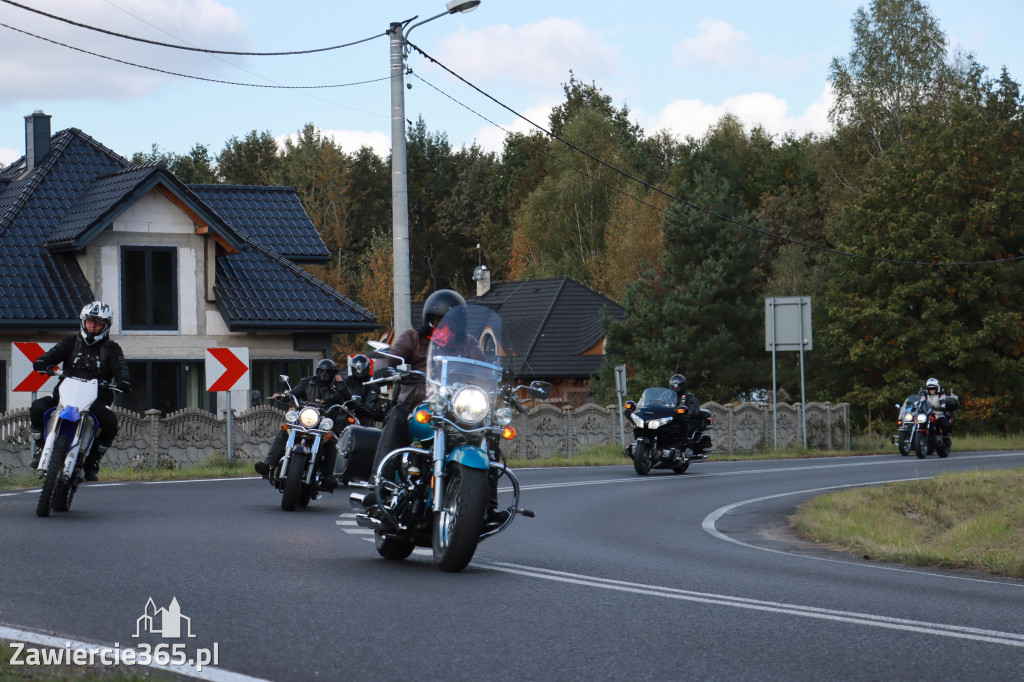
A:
658, 397
466, 348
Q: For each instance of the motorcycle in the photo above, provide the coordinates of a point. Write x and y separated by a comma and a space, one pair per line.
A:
310, 427
904, 424
661, 433
924, 435
70, 429
437, 491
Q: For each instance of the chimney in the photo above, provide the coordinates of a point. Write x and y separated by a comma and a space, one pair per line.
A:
482, 276
37, 139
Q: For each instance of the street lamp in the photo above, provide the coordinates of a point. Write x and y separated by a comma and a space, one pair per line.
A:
399, 171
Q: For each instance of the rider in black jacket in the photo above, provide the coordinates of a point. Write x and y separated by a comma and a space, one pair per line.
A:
688, 400
367, 398
90, 354
320, 388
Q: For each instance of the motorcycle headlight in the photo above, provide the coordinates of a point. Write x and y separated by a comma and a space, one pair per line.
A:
907, 418
309, 417
326, 423
291, 416
503, 416
470, 404
655, 423
922, 418
437, 404
637, 419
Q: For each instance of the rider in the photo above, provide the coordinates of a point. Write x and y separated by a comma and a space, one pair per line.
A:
89, 354
688, 400
323, 389
413, 345
934, 395
353, 386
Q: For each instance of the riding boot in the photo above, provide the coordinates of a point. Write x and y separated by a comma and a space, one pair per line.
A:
91, 468
37, 439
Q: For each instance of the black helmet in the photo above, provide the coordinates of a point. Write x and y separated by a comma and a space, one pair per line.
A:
97, 311
677, 383
437, 306
360, 365
326, 370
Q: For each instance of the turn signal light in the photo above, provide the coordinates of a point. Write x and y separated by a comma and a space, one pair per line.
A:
423, 417
509, 433
680, 410
284, 426
351, 420
328, 436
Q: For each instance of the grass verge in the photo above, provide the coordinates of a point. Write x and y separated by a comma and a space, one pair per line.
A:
972, 520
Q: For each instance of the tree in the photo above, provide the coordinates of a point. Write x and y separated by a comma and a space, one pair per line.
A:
253, 160
194, 168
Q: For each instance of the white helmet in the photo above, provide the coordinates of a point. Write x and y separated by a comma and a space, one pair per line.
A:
97, 311
933, 383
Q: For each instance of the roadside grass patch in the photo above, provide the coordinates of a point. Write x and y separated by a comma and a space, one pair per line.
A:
971, 520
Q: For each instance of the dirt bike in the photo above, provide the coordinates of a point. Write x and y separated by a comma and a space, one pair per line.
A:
70, 429
662, 433
437, 492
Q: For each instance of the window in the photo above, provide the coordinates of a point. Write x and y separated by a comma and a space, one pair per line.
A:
149, 287
168, 386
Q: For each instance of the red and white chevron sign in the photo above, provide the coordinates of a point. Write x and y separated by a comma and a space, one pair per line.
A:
227, 369
23, 377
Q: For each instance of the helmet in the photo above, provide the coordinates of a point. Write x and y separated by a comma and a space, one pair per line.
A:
437, 306
97, 311
677, 382
360, 365
933, 383
326, 370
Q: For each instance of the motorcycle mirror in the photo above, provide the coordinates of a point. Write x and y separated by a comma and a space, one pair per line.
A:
540, 389
377, 345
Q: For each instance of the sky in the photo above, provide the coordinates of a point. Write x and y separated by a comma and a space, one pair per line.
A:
678, 65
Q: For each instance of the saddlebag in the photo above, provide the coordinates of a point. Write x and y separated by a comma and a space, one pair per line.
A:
357, 447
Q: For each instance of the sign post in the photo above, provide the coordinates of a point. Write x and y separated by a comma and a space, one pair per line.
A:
23, 377
787, 323
620, 391
227, 369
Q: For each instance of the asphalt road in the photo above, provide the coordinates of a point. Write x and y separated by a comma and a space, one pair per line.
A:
618, 577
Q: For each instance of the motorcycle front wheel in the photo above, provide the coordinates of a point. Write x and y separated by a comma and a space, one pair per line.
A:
60, 448
642, 458
904, 445
293, 483
458, 525
921, 445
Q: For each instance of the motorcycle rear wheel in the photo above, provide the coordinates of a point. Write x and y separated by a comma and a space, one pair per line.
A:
642, 458
904, 446
392, 549
60, 448
293, 483
458, 525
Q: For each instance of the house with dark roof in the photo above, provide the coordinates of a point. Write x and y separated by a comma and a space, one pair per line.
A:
546, 329
184, 268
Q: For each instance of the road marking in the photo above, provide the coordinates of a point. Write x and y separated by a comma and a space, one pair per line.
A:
709, 526
208, 672
203, 480
941, 629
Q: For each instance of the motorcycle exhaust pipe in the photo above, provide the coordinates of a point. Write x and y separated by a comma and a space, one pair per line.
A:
356, 500
366, 521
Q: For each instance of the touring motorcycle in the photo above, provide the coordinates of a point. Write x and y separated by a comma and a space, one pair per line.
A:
661, 432
70, 429
436, 492
923, 435
309, 425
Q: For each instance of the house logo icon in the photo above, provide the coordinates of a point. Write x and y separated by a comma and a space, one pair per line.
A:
169, 623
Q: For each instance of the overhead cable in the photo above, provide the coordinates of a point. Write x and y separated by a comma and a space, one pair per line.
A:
199, 78
708, 211
187, 47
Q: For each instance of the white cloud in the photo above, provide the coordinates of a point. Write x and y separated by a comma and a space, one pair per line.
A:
717, 44
35, 68
535, 54
690, 117
492, 138
9, 156
351, 140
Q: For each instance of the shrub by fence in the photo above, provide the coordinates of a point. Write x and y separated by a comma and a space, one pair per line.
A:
189, 436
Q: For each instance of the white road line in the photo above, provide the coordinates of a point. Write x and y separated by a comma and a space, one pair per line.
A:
202, 480
710, 521
871, 620
208, 672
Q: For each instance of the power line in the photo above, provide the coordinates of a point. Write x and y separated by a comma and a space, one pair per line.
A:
708, 211
185, 47
199, 78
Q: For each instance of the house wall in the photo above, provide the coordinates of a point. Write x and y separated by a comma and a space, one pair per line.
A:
155, 221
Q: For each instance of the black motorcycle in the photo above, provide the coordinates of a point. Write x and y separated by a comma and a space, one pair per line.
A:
924, 435
904, 425
310, 431
662, 433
